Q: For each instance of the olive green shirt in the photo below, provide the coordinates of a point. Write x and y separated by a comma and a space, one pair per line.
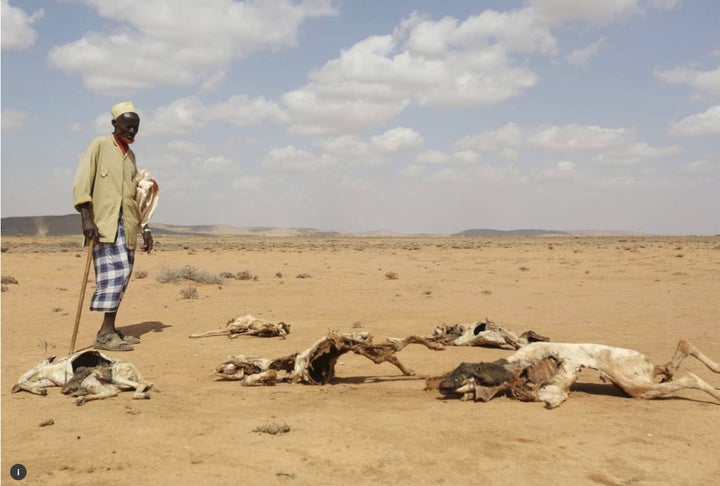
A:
104, 178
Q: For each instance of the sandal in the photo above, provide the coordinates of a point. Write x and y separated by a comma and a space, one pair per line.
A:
128, 339
111, 342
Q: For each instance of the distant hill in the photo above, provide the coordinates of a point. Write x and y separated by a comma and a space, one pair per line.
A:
518, 232
69, 224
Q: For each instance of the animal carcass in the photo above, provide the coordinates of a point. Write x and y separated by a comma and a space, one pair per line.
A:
545, 371
87, 375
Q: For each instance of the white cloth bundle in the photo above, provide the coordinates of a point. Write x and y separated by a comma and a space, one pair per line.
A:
146, 195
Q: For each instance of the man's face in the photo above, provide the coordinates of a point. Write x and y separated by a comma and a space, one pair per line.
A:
126, 127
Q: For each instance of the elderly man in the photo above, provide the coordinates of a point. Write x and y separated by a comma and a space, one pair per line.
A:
104, 194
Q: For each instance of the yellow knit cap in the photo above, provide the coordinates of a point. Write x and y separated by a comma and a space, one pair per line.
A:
120, 108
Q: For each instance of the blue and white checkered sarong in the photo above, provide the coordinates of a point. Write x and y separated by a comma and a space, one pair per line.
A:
113, 264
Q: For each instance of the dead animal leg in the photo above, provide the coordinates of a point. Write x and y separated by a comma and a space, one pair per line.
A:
400, 343
655, 390
685, 349
37, 387
141, 389
107, 391
210, 333
380, 354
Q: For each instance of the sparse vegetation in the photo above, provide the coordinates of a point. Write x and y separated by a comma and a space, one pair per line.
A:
141, 274
189, 293
7, 279
304, 275
176, 275
272, 429
245, 275
391, 276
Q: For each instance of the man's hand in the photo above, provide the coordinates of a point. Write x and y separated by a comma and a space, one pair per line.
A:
89, 228
147, 240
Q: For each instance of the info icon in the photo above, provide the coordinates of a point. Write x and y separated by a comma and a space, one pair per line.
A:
18, 472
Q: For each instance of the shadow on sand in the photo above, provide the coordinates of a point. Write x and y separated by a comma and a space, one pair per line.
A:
138, 330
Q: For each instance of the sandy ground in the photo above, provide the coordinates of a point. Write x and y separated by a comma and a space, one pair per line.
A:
372, 425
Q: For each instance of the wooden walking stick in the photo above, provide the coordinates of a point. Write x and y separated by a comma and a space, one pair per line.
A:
82, 294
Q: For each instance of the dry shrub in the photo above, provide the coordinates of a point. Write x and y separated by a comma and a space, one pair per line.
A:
245, 275
391, 276
141, 274
175, 275
189, 293
272, 428
304, 275
7, 279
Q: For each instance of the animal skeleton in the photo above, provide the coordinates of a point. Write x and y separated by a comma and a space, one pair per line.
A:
545, 371
483, 333
87, 375
316, 365
248, 326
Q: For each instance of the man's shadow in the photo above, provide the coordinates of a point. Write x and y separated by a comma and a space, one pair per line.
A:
141, 328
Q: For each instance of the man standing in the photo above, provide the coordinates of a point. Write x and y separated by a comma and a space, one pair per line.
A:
104, 194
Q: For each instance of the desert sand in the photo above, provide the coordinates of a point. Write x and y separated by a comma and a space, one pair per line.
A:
371, 425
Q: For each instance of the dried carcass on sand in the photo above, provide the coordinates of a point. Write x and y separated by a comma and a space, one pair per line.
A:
248, 326
316, 365
544, 372
481, 333
87, 375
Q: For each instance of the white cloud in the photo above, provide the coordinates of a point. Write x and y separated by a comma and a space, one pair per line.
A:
243, 111
180, 117
431, 157
352, 151
580, 57
14, 120
313, 113
17, 30
699, 167
440, 64
508, 136
185, 147
563, 170
290, 159
633, 153
557, 12
578, 138
247, 183
179, 42
705, 123
706, 83
212, 166
186, 115
396, 140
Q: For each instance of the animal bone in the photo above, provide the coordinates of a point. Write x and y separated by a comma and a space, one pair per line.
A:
87, 375
316, 365
481, 333
545, 371
248, 326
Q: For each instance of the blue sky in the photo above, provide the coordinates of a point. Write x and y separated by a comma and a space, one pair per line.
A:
359, 115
